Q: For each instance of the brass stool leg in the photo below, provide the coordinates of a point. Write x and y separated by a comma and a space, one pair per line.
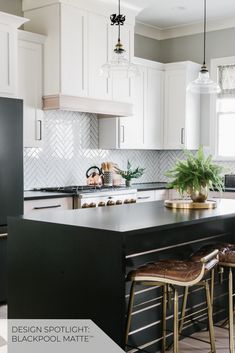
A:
129, 311
210, 318
231, 338
176, 333
184, 304
164, 308
212, 286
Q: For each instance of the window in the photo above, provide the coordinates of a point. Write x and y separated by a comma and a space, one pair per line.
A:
225, 111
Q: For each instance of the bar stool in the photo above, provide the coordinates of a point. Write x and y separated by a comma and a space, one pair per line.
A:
174, 273
226, 257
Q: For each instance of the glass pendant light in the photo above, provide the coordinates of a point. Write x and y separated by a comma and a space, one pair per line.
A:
204, 84
119, 65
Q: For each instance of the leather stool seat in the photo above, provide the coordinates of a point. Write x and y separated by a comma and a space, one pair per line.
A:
226, 257
226, 252
176, 270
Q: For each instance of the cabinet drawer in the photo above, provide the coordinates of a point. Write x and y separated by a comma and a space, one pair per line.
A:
173, 194
48, 205
224, 195
145, 196
161, 194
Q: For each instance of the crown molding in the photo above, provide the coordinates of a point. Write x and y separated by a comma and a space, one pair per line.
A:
181, 31
107, 7
147, 30
12, 20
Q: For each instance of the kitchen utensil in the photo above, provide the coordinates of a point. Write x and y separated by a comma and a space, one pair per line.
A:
94, 176
108, 178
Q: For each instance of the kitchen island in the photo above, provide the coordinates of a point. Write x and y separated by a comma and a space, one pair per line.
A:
73, 264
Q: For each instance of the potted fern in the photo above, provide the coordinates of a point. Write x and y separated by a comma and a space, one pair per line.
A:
130, 173
196, 175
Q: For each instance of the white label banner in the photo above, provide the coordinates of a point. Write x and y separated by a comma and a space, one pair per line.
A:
56, 336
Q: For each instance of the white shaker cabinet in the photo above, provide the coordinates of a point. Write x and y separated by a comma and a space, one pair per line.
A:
48, 205
182, 108
80, 39
73, 51
8, 53
152, 195
30, 74
99, 37
143, 130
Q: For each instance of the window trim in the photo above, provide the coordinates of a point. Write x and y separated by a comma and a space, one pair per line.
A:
214, 132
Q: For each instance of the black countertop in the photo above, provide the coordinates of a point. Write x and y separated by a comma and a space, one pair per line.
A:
136, 217
37, 195
149, 186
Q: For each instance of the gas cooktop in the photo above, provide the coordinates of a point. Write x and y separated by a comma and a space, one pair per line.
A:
77, 189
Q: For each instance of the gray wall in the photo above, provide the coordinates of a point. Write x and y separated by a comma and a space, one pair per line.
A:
12, 6
219, 44
147, 48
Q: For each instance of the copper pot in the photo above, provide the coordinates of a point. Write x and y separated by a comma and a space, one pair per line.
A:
94, 176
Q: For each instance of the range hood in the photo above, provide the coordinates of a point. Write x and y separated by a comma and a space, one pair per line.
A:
79, 40
87, 105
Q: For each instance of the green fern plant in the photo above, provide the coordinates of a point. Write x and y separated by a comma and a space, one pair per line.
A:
130, 173
195, 172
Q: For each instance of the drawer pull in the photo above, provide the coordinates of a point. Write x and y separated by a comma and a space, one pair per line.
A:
45, 207
143, 197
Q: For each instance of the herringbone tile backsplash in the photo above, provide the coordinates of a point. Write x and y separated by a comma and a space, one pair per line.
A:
70, 147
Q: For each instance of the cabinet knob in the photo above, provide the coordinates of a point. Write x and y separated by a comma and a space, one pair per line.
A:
85, 205
93, 204
110, 203
133, 201
119, 202
127, 201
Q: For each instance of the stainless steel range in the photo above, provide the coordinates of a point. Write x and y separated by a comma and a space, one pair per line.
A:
91, 196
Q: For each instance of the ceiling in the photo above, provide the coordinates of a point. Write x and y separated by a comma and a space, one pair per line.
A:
165, 14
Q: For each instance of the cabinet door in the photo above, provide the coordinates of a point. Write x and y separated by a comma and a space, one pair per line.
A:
8, 45
131, 129
30, 90
145, 196
121, 86
153, 119
98, 40
161, 194
73, 51
48, 205
175, 105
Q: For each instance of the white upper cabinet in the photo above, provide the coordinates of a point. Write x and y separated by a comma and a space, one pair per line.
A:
73, 51
143, 130
99, 34
153, 117
8, 56
30, 81
80, 39
182, 108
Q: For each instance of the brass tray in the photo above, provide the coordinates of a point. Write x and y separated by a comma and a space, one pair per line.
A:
189, 204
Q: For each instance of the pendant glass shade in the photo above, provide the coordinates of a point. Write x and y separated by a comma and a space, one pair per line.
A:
119, 66
204, 84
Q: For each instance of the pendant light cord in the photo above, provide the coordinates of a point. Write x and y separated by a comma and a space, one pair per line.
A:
119, 25
204, 54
